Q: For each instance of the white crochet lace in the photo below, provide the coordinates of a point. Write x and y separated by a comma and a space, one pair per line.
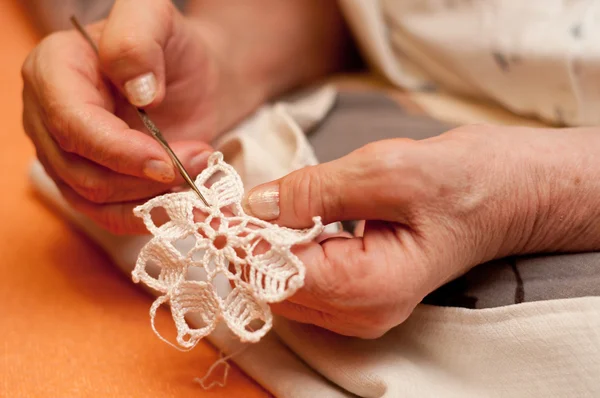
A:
255, 256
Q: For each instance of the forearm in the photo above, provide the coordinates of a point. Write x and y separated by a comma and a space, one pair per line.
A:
563, 167
273, 44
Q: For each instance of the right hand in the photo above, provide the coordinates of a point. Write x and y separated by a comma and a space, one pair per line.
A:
86, 133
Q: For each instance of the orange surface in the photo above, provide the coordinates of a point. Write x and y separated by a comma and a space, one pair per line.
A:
71, 325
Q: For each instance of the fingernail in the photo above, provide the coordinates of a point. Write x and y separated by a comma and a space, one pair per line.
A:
142, 89
159, 170
263, 202
200, 161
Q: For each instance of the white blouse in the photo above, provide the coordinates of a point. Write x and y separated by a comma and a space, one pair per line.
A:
534, 57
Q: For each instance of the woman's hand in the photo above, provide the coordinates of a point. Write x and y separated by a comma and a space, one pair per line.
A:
78, 113
434, 209
86, 133
197, 75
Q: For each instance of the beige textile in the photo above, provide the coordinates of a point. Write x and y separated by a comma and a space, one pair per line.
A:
542, 349
535, 58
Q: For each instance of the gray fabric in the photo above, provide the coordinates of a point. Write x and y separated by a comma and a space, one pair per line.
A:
359, 118
523, 279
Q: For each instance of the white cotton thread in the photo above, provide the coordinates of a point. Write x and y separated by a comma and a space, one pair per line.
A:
222, 360
255, 256
215, 383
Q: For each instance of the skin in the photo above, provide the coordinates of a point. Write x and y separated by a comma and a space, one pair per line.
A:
235, 57
434, 208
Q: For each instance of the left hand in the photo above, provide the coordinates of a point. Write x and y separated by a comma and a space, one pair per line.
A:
434, 209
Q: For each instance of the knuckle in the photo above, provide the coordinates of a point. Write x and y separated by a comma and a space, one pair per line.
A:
51, 47
58, 125
125, 50
398, 167
303, 184
41, 78
126, 47
317, 193
47, 45
388, 155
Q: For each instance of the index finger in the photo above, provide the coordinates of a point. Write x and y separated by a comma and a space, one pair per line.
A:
78, 105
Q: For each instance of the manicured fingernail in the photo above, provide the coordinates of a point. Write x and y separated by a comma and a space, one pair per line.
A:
159, 170
200, 161
263, 202
142, 89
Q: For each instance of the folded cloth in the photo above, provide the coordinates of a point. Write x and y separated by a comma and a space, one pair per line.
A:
548, 348
540, 349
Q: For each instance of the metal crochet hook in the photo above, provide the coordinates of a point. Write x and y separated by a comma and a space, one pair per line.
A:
148, 123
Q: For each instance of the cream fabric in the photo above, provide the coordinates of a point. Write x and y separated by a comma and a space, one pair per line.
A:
549, 348
541, 349
534, 57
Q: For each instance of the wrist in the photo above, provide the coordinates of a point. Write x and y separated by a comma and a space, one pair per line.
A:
237, 92
564, 170
270, 53
493, 205
530, 201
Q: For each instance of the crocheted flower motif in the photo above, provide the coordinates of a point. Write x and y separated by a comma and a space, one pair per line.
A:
254, 256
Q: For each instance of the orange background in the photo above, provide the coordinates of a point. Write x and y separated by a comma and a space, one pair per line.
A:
71, 325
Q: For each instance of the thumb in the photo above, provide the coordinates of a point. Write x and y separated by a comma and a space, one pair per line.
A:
345, 189
131, 48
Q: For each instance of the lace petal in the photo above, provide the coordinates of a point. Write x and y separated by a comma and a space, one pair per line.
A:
247, 317
265, 269
162, 259
194, 297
